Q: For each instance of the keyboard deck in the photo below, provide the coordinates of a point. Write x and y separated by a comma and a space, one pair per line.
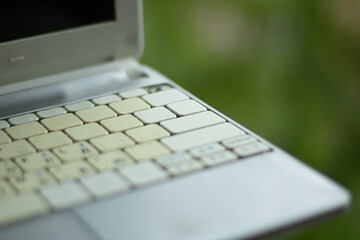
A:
65, 156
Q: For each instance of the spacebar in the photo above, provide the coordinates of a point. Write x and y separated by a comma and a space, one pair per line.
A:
202, 136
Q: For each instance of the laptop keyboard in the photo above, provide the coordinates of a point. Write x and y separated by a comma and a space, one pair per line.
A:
81, 152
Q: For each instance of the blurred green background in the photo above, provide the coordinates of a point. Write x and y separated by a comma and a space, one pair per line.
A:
288, 70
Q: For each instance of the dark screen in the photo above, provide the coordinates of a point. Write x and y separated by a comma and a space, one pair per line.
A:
21, 18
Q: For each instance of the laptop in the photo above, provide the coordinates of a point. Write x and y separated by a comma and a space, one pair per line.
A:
94, 145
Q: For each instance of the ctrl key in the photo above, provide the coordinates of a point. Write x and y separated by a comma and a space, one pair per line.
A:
22, 207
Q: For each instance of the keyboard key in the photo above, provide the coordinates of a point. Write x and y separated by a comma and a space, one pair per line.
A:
61, 122
144, 173
72, 170
133, 93
207, 149
21, 207
105, 184
79, 106
75, 151
112, 142
38, 161
129, 106
184, 167
8, 168
251, 149
217, 158
155, 115
85, 132
65, 195
147, 150
50, 140
4, 138
95, 114
32, 181
192, 122
6, 191
23, 119
201, 136
121, 123
170, 159
165, 97
51, 112
26, 130
4, 124
147, 133
238, 141
186, 107
106, 99
111, 160
15, 149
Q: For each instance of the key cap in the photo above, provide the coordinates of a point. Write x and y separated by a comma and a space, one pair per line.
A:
168, 160
147, 133
23, 119
129, 106
133, 93
105, 184
165, 97
112, 142
192, 122
4, 124
21, 207
238, 141
75, 151
38, 161
6, 191
87, 131
106, 99
51, 112
8, 168
72, 170
32, 180
201, 136
50, 140
186, 107
4, 138
26, 130
147, 150
217, 158
251, 149
144, 173
111, 160
95, 114
61, 122
15, 149
121, 123
154, 115
65, 195
79, 106
184, 167
207, 149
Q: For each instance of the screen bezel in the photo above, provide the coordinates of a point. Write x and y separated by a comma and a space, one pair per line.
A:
52, 53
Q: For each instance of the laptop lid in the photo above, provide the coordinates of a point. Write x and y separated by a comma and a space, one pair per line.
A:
74, 38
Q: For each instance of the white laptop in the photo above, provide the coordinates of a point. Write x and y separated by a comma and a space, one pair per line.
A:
94, 145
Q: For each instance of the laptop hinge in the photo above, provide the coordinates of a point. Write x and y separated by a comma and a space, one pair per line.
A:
132, 68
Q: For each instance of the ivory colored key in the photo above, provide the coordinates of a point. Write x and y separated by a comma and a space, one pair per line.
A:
106, 99
144, 173
50, 140
201, 136
21, 207
170, 159
155, 115
4, 124
87, 131
8, 168
79, 106
6, 190
73, 170
4, 138
66, 195
251, 149
147, 150
26, 130
165, 97
112, 142
186, 107
129, 105
61, 122
184, 167
51, 112
32, 181
133, 93
217, 158
238, 141
192, 122
38, 161
95, 114
147, 133
105, 184
111, 160
206, 149
121, 123
23, 119
15, 149
75, 151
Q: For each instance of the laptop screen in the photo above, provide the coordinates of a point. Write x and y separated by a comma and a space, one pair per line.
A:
21, 19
